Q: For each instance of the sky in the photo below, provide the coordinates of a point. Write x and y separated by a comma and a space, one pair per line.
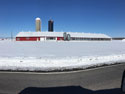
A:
88, 16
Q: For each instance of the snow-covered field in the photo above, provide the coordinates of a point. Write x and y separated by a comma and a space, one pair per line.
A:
51, 56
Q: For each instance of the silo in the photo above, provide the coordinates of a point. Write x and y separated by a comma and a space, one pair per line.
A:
68, 37
64, 36
38, 25
50, 25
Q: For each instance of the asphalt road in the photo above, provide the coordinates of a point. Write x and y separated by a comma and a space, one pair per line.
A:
96, 81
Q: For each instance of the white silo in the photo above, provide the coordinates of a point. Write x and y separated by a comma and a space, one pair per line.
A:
38, 25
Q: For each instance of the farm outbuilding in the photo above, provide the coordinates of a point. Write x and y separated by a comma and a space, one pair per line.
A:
61, 36
50, 35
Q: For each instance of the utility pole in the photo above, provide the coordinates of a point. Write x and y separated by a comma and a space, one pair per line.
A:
11, 36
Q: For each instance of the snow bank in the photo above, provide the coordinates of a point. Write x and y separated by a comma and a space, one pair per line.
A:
123, 40
45, 64
51, 56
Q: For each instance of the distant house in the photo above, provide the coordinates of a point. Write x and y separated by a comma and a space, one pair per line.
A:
61, 36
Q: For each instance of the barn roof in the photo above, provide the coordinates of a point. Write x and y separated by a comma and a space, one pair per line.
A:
60, 34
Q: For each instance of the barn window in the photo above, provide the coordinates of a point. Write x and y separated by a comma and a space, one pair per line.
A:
50, 38
27, 38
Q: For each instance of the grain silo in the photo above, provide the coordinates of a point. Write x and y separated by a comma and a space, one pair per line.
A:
38, 25
50, 25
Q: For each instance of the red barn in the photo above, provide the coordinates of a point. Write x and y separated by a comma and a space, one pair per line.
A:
60, 36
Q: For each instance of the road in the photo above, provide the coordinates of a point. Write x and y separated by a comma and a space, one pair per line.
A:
105, 80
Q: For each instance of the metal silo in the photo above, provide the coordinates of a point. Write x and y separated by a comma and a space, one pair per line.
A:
50, 25
38, 25
68, 37
64, 36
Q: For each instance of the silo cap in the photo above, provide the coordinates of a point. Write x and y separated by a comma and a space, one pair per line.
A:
37, 18
51, 20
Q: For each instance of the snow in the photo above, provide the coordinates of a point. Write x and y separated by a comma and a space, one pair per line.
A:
60, 34
37, 18
51, 56
123, 40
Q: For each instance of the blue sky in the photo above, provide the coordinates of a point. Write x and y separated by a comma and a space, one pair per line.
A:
90, 16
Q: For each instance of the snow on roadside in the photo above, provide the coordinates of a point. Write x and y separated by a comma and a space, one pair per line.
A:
52, 56
123, 40
44, 64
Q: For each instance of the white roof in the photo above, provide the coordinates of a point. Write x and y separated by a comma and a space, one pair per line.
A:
60, 34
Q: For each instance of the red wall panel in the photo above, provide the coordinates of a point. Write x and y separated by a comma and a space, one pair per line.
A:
60, 38
27, 38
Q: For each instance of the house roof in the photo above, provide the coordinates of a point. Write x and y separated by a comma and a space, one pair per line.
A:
60, 34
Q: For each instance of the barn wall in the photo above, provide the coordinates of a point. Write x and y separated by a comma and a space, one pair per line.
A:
60, 38
27, 38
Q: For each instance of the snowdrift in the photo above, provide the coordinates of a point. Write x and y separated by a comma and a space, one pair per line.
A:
59, 56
